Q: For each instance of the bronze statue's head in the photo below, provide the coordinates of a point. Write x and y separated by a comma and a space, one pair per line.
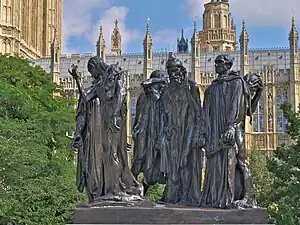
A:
223, 63
97, 67
175, 69
113, 74
156, 84
159, 74
254, 82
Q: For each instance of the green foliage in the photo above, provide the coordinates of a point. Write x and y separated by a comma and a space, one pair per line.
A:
37, 172
284, 193
155, 192
261, 177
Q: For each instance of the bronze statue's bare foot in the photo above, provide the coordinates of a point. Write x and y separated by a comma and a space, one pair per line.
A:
244, 203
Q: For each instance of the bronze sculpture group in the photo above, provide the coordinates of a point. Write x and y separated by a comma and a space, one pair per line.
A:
170, 131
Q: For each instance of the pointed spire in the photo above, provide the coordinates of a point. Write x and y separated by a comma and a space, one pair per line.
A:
148, 26
293, 19
293, 32
116, 29
147, 35
147, 43
100, 44
244, 30
243, 25
101, 30
148, 38
194, 33
116, 39
100, 41
293, 28
182, 44
244, 37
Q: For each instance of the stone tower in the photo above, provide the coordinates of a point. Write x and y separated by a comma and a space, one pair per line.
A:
55, 59
195, 46
116, 40
147, 43
27, 27
101, 45
182, 44
294, 66
219, 30
244, 48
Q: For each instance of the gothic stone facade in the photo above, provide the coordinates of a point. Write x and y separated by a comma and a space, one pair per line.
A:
27, 26
274, 65
279, 69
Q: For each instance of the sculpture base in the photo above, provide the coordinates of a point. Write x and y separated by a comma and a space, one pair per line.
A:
167, 214
106, 204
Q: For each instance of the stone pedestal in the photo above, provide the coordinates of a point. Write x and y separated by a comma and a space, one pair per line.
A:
163, 214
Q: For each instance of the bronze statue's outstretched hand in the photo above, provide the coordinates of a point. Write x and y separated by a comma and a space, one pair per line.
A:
228, 136
77, 141
74, 71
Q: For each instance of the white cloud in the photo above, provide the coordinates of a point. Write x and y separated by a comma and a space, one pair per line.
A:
266, 12
255, 12
77, 17
195, 8
77, 22
108, 23
166, 38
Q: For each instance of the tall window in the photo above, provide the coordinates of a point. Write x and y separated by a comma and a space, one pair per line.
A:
217, 21
6, 13
133, 110
34, 19
226, 22
24, 19
282, 96
258, 117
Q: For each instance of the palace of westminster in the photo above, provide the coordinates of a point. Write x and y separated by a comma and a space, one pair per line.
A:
32, 29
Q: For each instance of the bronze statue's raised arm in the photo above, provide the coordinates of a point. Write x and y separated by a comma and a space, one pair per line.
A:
86, 95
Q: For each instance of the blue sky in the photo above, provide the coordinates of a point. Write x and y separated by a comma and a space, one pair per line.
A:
81, 20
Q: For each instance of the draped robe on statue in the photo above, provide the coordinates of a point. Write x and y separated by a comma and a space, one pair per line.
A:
147, 159
181, 113
102, 159
226, 103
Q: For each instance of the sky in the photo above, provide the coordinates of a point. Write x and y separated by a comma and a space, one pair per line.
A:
268, 22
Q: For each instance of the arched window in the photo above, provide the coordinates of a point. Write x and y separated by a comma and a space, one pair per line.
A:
217, 21
226, 22
258, 117
56, 57
133, 109
282, 96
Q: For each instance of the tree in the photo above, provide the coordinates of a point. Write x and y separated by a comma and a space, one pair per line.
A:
261, 177
37, 169
155, 193
284, 193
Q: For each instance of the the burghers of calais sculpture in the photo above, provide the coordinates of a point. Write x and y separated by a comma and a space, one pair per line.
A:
227, 102
100, 136
179, 139
147, 158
